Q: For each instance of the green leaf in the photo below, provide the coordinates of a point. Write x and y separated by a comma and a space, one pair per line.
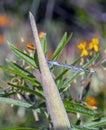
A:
6, 94
19, 128
72, 106
22, 55
104, 64
39, 94
44, 45
61, 46
96, 123
75, 75
18, 68
19, 103
16, 102
60, 78
83, 128
91, 61
21, 72
36, 60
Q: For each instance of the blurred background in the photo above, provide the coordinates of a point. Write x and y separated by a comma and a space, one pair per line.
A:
85, 19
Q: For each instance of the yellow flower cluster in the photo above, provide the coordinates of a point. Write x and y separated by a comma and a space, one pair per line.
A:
83, 46
93, 45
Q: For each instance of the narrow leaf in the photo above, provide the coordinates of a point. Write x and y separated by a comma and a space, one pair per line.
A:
19, 103
16, 102
39, 94
9, 93
18, 68
75, 107
83, 128
97, 123
28, 77
61, 46
19, 128
22, 55
44, 45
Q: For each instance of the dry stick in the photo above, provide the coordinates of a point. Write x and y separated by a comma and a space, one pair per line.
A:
53, 100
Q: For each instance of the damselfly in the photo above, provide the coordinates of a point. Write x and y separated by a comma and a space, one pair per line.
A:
71, 67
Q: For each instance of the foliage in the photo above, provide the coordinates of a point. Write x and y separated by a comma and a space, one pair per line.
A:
26, 82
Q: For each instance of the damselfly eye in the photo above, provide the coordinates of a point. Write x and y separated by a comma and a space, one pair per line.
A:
30, 46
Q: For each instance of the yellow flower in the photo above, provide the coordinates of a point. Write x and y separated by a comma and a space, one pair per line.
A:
84, 52
30, 46
4, 20
94, 44
91, 102
83, 46
41, 35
